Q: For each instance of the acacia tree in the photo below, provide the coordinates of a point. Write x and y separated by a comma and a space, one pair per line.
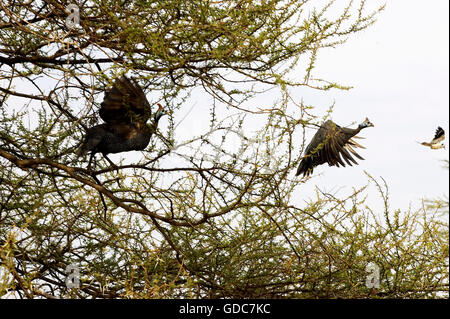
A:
206, 215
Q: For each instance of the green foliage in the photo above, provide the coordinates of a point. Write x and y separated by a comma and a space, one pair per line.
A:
203, 216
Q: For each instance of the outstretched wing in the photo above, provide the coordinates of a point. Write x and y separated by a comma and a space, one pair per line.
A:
329, 145
125, 102
439, 136
316, 152
339, 149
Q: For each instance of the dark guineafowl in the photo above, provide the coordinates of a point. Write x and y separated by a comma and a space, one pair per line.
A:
125, 111
331, 144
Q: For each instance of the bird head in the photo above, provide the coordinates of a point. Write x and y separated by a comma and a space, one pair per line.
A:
366, 123
159, 113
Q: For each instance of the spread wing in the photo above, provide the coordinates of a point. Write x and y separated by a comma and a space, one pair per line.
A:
329, 145
125, 102
439, 136
337, 149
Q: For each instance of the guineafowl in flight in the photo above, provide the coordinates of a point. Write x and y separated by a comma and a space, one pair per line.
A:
331, 144
435, 143
125, 111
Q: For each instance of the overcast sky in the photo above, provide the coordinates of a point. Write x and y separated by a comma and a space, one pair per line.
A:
399, 69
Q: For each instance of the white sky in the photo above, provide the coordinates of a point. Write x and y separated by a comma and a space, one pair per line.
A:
399, 69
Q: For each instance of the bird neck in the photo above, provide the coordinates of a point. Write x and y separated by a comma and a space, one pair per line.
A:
157, 117
359, 128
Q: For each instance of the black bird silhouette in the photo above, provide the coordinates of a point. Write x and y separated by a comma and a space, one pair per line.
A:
328, 145
125, 111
